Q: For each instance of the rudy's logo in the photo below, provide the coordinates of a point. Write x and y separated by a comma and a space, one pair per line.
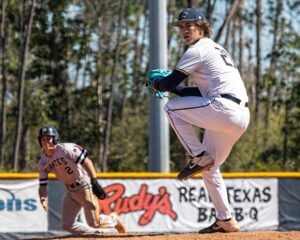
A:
143, 201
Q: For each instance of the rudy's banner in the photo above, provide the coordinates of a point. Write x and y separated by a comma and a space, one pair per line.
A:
20, 208
169, 205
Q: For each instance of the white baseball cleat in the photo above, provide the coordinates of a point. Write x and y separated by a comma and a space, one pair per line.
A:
106, 231
119, 224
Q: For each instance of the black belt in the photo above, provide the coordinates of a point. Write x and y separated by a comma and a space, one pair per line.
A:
232, 98
73, 185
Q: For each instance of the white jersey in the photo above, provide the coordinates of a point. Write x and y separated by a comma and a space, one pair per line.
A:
212, 69
65, 163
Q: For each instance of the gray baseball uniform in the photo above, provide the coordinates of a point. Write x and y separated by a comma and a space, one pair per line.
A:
66, 163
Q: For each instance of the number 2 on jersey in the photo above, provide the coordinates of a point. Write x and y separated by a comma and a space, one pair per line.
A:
69, 170
226, 58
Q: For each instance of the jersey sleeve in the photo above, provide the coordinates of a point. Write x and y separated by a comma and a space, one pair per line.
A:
76, 153
170, 82
189, 61
184, 91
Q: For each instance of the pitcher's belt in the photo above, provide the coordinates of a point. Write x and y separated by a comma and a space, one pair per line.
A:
234, 99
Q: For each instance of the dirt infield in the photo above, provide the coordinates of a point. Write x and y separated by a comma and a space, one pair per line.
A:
270, 235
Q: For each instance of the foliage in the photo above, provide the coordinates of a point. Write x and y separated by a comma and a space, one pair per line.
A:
71, 66
130, 141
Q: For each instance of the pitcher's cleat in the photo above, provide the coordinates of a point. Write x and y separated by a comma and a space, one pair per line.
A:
223, 226
119, 224
196, 165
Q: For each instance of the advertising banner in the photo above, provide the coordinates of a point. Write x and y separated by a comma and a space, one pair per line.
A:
147, 205
169, 205
20, 209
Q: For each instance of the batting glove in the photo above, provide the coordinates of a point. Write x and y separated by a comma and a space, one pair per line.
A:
97, 189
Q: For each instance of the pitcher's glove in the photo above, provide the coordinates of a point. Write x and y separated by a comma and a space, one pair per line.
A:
154, 76
97, 189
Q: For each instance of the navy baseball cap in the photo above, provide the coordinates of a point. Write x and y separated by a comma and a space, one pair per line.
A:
189, 15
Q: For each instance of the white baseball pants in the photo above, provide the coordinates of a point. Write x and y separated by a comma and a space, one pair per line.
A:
224, 122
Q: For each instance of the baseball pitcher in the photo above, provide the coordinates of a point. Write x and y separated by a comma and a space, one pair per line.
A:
218, 103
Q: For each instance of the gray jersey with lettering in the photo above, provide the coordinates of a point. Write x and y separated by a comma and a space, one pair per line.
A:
66, 163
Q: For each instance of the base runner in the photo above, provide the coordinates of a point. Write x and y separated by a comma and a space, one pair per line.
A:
70, 164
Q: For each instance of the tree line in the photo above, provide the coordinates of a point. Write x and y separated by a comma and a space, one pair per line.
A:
80, 66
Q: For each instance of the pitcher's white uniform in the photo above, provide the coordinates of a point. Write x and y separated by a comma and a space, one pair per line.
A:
66, 164
224, 120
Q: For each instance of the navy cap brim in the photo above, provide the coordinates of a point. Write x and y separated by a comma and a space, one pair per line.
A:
186, 20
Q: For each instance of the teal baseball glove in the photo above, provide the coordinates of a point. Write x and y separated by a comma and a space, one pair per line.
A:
154, 76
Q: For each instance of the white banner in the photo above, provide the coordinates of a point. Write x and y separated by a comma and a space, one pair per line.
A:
151, 205
169, 205
20, 209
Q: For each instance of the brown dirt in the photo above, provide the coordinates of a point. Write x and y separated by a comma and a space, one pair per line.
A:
269, 235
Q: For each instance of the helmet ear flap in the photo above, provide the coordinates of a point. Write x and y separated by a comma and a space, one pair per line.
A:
55, 140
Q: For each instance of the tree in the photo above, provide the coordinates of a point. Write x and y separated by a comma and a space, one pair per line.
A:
4, 83
271, 77
230, 14
112, 86
21, 80
87, 61
258, 60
